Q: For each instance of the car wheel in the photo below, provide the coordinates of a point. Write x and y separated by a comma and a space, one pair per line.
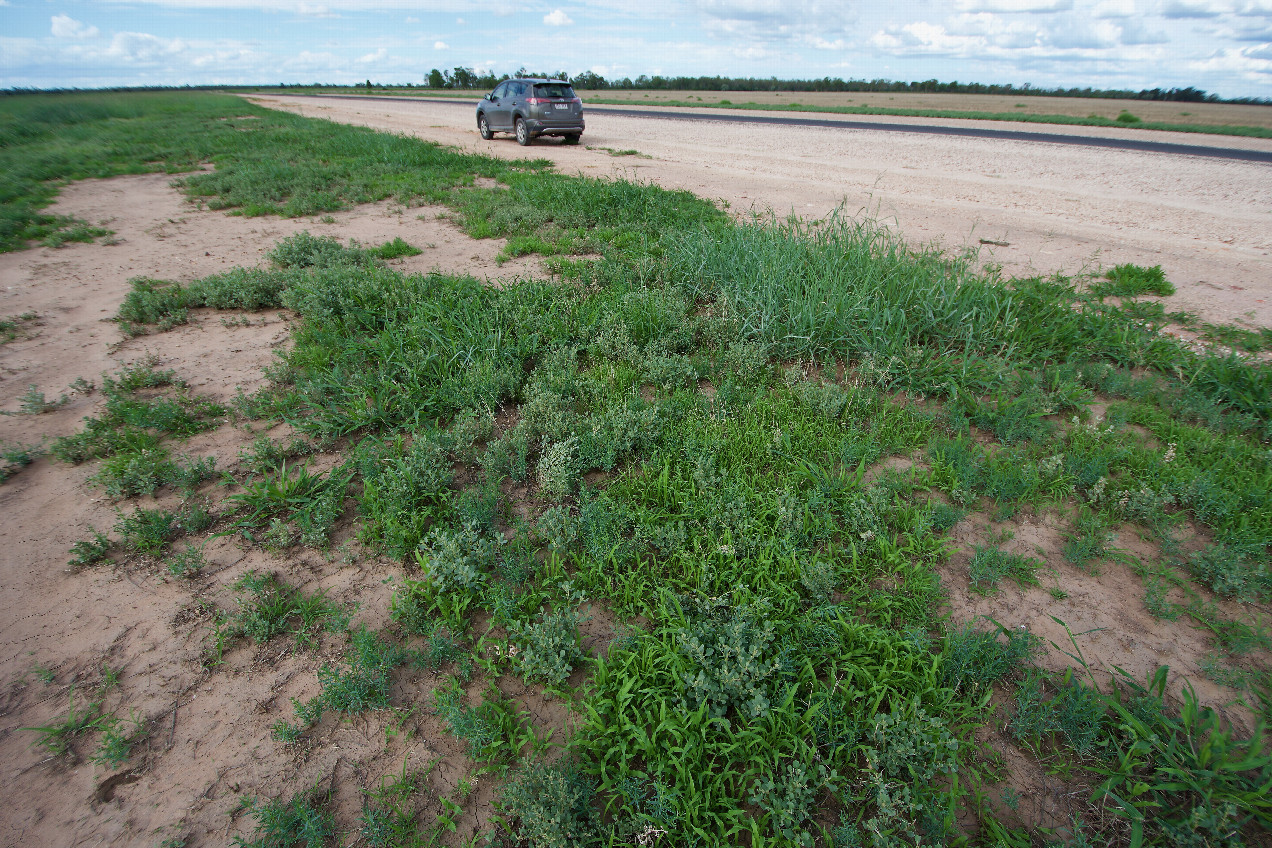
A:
523, 133
573, 138
483, 127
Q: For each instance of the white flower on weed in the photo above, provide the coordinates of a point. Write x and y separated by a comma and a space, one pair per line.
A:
1097, 491
1170, 453
1051, 465
650, 835
867, 535
727, 550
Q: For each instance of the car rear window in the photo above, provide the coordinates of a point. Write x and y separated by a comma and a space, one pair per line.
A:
553, 90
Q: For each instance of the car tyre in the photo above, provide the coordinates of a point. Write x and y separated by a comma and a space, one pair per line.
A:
523, 133
573, 138
483, 127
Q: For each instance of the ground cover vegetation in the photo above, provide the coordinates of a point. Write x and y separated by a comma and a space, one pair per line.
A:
685, 436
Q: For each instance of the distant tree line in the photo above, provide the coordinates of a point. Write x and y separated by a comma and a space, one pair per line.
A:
589, 80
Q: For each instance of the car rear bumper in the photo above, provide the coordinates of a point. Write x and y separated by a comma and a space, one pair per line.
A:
569, 127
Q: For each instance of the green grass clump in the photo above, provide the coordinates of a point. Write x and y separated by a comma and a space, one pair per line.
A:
13, 327
58, 736
291, 503
143, 406
989, 566
494, 730
973, 660
15, 457
395, 249
1132, 281
268, 608
286, 824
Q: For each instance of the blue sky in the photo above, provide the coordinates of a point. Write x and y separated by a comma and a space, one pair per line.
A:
1222, 46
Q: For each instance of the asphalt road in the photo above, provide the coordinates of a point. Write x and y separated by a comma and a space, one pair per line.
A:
676, 114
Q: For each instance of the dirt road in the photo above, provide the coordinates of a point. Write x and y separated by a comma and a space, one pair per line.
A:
1033, 208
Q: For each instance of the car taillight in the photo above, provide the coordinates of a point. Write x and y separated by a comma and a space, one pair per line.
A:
536, 101
577, 101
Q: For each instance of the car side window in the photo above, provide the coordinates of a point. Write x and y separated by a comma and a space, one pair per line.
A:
516, 89
500, 91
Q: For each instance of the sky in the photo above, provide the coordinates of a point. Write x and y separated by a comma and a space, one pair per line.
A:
1221, 46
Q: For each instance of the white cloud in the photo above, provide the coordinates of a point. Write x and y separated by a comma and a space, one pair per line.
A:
990, 30
1253, 32
773, 20
921, 37
65, 26
411, 20
440, 45
1193, 9
143, 47
557, 18
1251, 63
1114, 9
1014, 6
1081, 34
461, 21
309, 10
378, 56
1136, 31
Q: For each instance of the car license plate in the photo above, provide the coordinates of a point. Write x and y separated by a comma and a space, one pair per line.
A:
560, 105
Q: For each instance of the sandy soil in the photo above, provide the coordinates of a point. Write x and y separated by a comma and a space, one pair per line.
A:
208, 730
1208, 223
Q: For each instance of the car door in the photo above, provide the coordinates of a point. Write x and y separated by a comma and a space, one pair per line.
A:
515, 103
499, 108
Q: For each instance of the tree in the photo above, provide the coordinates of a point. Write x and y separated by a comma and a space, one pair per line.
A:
590, 81
435, 79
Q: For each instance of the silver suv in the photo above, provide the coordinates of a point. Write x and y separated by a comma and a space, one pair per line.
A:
531, 107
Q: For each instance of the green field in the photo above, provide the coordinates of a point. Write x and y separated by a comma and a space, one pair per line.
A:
682, 435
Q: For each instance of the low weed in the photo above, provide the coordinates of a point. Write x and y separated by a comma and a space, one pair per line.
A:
57, 737
147, 531
137, 416
496, 733
286, 497
551, 805
303, 820
268, 608
973, 660
118, 738
989, 566
91, 551
15, 457
1184, 779
33, 402
361, 684
13, 327
1132, 281
549, 649
395, 250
